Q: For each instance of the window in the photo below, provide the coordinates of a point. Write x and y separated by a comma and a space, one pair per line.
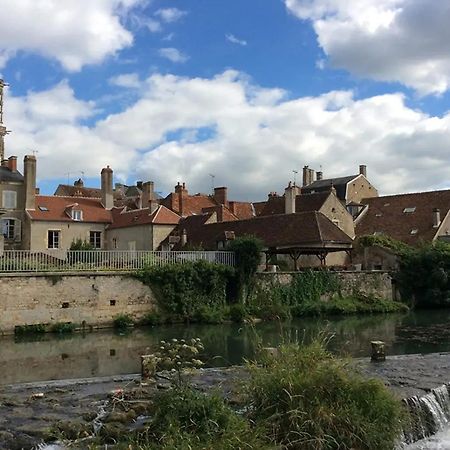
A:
77, 214
95, 239
414, 231
53, 238
10, 228
409, 210
9, 199
114, 242
43, 208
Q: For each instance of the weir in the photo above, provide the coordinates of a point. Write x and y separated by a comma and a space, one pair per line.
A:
429, 414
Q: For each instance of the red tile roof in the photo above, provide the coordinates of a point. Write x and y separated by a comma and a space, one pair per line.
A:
55, 209
242, 210
192, 204
161, 216
302, 230
386, 215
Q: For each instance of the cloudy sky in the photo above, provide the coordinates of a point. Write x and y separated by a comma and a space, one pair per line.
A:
246, 90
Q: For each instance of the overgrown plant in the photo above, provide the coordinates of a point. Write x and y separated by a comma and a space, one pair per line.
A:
307, 399
247, 250
123, 321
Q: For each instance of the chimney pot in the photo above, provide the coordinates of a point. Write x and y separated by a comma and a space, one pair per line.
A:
319, 175
107, 187
12, 163
29, 173
436, 218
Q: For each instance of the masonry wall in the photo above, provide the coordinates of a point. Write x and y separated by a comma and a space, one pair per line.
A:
92, 299
370, 283
360, 188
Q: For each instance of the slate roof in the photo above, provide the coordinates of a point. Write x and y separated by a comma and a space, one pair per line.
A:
340, 184
54, 209
8, 176
303, 203
300, 230
161, 216
386, 215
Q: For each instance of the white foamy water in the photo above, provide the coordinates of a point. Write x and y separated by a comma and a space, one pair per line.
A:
440, 441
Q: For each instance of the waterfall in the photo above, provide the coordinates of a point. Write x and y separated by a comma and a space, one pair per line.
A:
429, 414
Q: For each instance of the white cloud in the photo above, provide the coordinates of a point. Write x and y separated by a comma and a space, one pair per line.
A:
389, 40
126, 80
173, 54
170, 15
72, 32
251, 138
233, 39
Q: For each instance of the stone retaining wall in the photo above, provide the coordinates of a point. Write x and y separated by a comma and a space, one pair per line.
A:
92, 299
377, 283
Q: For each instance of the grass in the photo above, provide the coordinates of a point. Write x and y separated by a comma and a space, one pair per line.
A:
307, 399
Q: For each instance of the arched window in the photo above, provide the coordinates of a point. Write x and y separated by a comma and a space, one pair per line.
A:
10, 227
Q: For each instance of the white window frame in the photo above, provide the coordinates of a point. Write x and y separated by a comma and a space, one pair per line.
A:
77, 215
11, 202
14, 232
58, 239
93, 239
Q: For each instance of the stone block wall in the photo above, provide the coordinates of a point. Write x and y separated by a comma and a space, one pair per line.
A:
92, 299
375, 283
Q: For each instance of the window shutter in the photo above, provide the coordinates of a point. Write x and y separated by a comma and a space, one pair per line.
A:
17, 230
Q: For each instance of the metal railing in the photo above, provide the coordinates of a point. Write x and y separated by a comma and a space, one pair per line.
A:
101, 260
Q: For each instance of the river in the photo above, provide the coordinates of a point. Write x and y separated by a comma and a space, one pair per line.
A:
104, 353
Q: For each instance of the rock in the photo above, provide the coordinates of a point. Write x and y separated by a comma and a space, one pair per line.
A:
117, 416
112, 431
74, 429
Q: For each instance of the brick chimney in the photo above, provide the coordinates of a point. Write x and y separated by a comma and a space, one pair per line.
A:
290, 194
221, 195
436, 218
148, 195
12, 163
107, 187
79, 183
182, 193
363, 170
184, 238
29, 173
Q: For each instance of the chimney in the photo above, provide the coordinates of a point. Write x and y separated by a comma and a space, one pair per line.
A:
12, 163
29, 173
183, 240
319, 176
305, 176
139, 184
436, 217
220, 195
79, 183
107, 187
147, 193
289, 199
182, 192
363, 170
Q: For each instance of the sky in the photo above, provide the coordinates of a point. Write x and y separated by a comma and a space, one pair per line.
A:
237, 93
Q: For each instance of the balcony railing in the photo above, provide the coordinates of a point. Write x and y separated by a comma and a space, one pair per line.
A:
101, 260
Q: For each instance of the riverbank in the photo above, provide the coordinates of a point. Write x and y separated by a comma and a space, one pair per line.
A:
41, 412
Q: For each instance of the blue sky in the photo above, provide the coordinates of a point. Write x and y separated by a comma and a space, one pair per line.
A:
174, 90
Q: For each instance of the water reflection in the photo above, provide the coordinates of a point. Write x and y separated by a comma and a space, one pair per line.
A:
105, 353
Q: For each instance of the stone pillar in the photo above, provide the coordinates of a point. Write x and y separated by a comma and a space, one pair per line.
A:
290, 194
378, 351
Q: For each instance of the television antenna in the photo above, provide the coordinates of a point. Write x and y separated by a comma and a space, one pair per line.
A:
212, 181
295, 176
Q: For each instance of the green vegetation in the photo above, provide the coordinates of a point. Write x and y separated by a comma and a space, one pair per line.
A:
123, 321
424, 275
30, 329
191, 291
313, 293
79, 244
63, 327
306, 398
383, 241
247, 250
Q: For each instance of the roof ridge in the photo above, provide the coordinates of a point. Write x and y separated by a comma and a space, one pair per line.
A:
404, 194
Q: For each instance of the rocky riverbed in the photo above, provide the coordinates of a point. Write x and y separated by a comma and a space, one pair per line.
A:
31, 414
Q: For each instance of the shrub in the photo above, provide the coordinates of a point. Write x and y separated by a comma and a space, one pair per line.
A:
153, 318
306, 398
186, 419
30, 329
123, 321
247, 250
79, 244
237, 313
63, 327
424, 275
189, 291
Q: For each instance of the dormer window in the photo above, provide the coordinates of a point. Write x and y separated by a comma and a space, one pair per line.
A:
77, 214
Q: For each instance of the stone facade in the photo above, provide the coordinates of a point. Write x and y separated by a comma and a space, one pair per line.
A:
79, 298
375, 283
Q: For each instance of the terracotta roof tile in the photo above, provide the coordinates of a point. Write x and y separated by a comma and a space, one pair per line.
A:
161, 216
303, 203
242, 210
52, 208
387, 215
